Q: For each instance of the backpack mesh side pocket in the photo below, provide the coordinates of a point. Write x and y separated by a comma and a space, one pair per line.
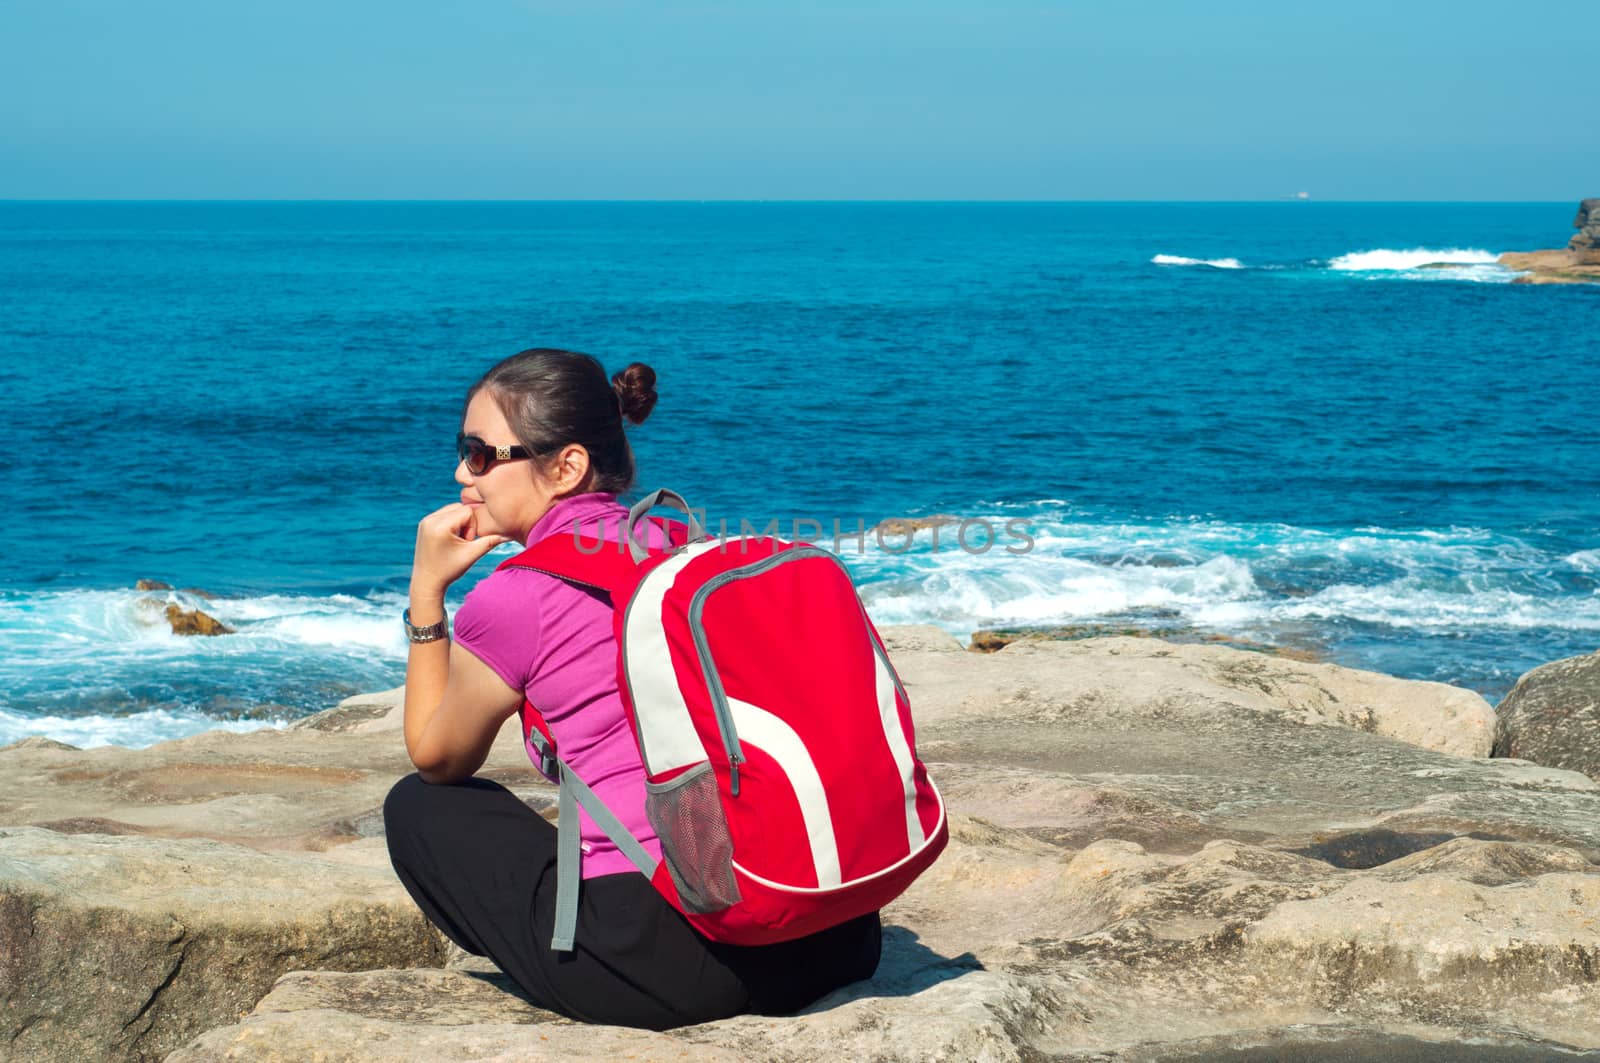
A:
686, 814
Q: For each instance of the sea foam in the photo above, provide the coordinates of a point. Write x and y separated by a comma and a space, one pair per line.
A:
1256, 580
1416, 263
96, 667
1214, 263
1384, 258
134, 731
1584, 560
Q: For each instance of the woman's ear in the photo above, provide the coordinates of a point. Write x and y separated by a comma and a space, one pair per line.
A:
572, 468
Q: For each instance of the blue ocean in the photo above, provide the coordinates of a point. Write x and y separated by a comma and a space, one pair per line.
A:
1332, 427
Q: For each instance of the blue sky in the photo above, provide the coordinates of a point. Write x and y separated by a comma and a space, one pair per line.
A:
876, 99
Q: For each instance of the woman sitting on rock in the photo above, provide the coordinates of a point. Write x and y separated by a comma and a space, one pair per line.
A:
543, 452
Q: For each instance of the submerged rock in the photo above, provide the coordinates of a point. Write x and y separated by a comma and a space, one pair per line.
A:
1552, 716
912, 525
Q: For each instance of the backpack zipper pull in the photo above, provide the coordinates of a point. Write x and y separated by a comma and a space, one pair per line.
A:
733, 773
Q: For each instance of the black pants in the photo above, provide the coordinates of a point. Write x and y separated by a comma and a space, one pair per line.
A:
482, 867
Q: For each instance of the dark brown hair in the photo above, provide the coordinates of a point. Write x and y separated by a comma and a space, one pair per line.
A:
552, 397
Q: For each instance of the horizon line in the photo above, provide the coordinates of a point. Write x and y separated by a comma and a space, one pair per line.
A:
751, 201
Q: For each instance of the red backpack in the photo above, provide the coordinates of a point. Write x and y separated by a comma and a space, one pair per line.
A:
781, 770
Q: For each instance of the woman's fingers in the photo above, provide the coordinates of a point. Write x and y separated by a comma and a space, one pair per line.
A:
448, 544
447, 521
444, 516
461, 522
485, 543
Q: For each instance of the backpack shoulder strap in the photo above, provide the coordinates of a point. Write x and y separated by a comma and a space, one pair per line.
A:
573, 794
569, 854
589, 560
606, 566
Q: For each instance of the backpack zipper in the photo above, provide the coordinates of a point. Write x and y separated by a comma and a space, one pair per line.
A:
719, 698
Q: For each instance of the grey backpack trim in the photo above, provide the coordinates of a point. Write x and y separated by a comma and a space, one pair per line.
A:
574, 793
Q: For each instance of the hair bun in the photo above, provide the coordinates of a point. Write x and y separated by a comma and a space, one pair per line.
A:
635, 388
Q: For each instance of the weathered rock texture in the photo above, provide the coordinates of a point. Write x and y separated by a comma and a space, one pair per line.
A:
1586, 245
1158, 852
124, 948
989, 640
195, 622
1550, 267
1552, 716
903, 529
1577, 263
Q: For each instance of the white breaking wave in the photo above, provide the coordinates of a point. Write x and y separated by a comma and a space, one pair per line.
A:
1214, 263
1584, 560
134, 731
99, 667
1416, 263
1384, 258
1251, 579
95, 624
342, 621
963, 596
1409, 604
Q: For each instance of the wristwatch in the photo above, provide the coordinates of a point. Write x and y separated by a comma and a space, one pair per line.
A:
427, 632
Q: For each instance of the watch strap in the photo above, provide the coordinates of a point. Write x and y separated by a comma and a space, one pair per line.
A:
427, 632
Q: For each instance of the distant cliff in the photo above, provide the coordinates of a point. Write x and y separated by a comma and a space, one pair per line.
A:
1577, 263
1586, 245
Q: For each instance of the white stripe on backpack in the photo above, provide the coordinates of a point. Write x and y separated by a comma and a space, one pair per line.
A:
666, 731
895, 735
768, 733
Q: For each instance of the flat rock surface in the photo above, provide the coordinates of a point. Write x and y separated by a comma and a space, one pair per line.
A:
1158, 852
1555, 266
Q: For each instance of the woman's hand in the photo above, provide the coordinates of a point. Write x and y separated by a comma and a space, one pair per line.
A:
447, 545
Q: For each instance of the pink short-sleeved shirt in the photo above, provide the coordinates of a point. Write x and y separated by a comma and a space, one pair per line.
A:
554, 642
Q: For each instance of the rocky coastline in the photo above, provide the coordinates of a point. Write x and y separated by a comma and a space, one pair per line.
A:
1159, 851
1577, 263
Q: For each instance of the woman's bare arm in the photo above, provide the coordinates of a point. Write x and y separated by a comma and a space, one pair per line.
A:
455, 706
455, 703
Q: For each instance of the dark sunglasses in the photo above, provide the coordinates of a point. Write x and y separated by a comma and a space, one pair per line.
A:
479, 455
